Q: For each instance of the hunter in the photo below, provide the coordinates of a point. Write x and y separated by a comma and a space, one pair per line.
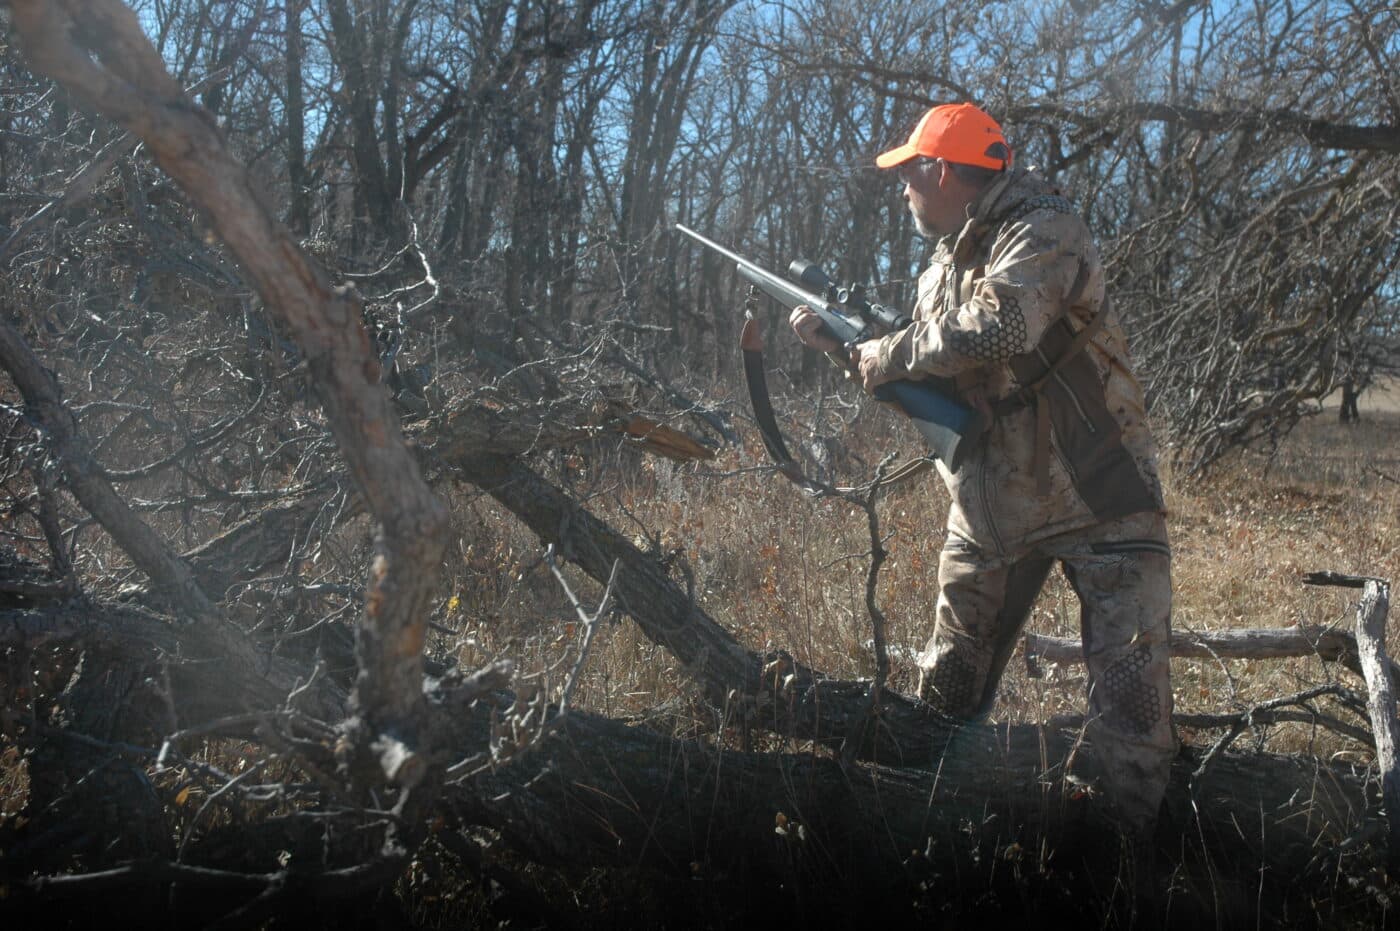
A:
1013, 318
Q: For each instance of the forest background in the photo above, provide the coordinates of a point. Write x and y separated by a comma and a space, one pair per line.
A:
192, 462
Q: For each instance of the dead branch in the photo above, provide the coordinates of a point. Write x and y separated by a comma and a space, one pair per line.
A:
119, 74
1327, 643
503, 429
77, 189
587, 619
1259, 717
44, 400
1370, 635
172, 576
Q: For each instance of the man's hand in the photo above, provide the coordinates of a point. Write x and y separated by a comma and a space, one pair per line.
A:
865, 361
865, 357
805, 323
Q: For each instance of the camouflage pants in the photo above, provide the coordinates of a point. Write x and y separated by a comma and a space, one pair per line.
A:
1121, 571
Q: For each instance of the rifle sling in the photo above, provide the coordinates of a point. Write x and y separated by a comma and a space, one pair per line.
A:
751, 342
1032, 394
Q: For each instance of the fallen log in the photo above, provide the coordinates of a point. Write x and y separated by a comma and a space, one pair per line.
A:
1326, 643
770, 691
1001, 809
1003, 821
1009, 812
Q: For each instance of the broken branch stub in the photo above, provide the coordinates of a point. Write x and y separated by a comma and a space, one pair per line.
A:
1370, 637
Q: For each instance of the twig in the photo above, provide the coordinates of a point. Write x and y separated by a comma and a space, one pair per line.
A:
1255, 715
517, 730
590, 624
344, 881
428, 278
83, 181
77, 189
300, 690
877, 617
234, 722
214, 796
1280, 716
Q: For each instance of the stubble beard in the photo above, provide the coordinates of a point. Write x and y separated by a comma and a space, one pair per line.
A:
924, 229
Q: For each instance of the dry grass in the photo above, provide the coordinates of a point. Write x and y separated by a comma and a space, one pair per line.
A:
782, 571
1329, 498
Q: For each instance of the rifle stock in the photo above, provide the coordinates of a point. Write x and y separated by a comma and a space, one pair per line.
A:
950, 427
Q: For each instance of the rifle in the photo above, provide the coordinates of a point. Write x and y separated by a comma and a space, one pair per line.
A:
949, 426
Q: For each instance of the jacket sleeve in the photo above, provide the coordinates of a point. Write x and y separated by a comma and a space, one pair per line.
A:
1029, 273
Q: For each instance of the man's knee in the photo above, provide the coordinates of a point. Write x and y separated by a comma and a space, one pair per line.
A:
1131, 690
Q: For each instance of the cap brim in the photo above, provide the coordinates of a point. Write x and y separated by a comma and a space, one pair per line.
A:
897, 156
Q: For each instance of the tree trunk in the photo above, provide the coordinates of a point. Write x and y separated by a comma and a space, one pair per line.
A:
299, 209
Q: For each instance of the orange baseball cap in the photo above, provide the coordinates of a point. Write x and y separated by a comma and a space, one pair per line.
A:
956, 132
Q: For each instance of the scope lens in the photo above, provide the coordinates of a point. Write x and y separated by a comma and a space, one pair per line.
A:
810, 274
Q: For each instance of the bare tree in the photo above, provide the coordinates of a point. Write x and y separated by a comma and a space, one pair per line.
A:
240, 500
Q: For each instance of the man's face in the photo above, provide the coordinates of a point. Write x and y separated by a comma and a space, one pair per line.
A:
937, 201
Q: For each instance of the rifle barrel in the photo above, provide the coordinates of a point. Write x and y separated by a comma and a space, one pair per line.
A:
775, 286
717, 247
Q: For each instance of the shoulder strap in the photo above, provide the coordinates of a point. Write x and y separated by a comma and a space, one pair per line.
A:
1032, 394
1040, 460
1082, 338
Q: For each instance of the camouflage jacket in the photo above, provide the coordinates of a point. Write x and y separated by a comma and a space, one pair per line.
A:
992, 318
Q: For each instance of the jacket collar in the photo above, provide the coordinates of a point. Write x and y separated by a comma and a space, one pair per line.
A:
986, 211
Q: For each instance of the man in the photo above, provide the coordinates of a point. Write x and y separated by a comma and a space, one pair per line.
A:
1013, 318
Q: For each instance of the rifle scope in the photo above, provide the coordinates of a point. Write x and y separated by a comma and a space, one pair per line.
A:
851, 297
